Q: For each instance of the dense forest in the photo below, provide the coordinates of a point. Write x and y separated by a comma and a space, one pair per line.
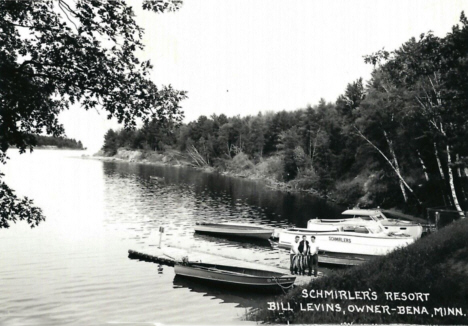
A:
59, 142
398, 140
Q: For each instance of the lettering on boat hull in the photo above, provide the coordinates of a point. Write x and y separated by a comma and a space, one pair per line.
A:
347, 240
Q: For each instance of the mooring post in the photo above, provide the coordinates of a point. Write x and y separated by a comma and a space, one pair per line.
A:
161, 231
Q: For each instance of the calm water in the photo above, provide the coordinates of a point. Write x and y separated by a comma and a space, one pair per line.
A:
74, 268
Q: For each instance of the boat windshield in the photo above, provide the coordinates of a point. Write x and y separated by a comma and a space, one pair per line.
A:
365, 217
375, 228
380, 217
360, 216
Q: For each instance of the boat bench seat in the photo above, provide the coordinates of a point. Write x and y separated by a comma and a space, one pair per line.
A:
362, 230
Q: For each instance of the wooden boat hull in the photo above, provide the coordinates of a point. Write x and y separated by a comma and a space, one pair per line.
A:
238, 231
236, 277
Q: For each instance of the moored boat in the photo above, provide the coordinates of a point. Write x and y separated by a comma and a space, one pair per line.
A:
395, 226
234, 230
348, 243
235, 276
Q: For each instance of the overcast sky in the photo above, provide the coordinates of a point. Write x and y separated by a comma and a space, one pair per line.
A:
245, 56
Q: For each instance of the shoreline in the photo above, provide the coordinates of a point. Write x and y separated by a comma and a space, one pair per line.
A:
170, 159
167, 159
53, 148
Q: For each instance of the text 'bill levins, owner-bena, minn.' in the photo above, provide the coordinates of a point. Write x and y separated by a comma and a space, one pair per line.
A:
411, 303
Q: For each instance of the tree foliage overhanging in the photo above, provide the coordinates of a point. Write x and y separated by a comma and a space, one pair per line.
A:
398, 140
54, 54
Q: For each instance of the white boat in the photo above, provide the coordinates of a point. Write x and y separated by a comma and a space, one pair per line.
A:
348, 243
394, 226
234, 230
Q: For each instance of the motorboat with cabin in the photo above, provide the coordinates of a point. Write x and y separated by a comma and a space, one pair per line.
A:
356, 215
348, 242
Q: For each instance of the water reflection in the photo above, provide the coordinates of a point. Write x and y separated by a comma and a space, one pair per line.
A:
244, 198
242, 299
73, 269
182, 197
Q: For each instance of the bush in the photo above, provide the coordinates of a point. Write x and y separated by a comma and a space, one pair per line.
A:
240, 163
220, 164
306, 179
349, 192
154, 157
272, 167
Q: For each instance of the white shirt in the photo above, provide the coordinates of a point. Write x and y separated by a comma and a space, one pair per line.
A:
294, 248
314, 248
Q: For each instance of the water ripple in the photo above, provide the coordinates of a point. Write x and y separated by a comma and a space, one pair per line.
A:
74, 269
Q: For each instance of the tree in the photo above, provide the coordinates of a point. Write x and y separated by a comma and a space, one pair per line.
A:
433, 73
379, 124
288, 143
347, 107
57, 53
351, 99
14, 209
256, 136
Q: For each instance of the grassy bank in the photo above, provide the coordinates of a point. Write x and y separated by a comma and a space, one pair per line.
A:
268, 170
141, 156
436, 264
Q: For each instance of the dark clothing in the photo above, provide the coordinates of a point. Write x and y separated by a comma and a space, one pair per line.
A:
304, 247
313, 260
307, 263
291, 261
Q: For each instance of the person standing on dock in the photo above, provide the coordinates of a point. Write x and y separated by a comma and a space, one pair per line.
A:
293, 255
313, 256
304, 250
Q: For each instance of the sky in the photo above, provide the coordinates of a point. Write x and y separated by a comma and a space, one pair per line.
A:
241, 57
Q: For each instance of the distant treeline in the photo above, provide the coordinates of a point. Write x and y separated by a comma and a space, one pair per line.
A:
401, 139
58, 142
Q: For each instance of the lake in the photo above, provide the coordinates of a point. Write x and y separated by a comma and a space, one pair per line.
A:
74, 268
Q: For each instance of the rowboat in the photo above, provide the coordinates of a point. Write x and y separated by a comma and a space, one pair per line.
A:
238, 296
348, 243
394, 226
255, 279
234, 230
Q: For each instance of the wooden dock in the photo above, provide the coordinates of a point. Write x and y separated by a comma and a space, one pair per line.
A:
132, 254
164, 257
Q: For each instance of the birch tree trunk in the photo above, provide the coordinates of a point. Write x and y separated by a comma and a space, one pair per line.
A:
449, 158
452, 184
423, 165
439, 164
396, 165
391, 164
445, 196
315, 147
